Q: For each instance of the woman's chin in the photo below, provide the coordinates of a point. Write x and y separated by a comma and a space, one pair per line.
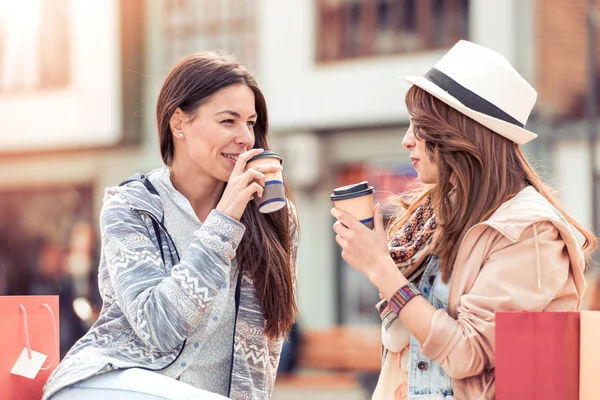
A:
427, 180
224, 177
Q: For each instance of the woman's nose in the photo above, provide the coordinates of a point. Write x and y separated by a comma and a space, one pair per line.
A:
245, 136
408, 142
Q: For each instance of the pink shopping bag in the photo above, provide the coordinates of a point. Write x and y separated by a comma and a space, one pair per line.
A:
537, 355
29, 349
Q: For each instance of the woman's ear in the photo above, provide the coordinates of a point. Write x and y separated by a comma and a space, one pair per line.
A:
176, 123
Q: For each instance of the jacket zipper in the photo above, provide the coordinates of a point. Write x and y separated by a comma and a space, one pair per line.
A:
238, 290
157, 224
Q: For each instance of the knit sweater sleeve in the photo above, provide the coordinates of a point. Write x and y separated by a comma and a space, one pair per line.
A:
165, 306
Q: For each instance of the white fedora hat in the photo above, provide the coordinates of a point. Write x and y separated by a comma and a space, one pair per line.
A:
481, 84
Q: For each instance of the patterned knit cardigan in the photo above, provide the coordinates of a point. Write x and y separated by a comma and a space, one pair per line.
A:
153, 300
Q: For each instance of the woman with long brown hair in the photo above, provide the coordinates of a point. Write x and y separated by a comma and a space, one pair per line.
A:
197, 284
490, 234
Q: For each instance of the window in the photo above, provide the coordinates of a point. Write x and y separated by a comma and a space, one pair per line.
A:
365, 28
191, 26
33, 45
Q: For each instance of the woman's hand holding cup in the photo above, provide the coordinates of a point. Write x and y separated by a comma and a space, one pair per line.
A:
363, 249
242, 185
359, 229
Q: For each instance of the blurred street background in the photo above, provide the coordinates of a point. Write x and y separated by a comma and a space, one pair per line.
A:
78, 85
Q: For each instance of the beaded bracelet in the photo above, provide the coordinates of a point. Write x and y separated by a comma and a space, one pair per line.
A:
403, 296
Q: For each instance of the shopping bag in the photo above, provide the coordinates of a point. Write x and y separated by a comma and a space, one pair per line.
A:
589, 354
29, 349
537, 355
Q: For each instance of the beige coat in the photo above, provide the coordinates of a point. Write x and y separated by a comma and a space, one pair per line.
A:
525, 257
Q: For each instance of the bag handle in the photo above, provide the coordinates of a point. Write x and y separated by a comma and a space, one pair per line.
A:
28, 342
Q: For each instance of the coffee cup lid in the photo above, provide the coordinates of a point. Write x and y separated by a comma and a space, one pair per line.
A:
352, 191
267, 154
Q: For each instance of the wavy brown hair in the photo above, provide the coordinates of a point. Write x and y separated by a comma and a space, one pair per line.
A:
265, 251
482, 168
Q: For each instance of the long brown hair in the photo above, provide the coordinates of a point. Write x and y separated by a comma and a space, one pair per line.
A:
480, 167
265, 250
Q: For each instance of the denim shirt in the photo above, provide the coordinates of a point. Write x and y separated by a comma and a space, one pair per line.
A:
427, 379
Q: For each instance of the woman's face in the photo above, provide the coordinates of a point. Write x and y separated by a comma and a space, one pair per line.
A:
426, 169
221, 130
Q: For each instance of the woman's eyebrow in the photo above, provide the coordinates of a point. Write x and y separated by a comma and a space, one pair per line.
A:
234, 113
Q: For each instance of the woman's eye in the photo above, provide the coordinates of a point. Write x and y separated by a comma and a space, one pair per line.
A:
227, 121
251, 123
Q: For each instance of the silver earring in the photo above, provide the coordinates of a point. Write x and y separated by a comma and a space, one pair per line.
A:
181, 134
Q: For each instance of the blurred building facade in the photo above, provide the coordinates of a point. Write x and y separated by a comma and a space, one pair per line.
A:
329, 71
563, 78
65, 86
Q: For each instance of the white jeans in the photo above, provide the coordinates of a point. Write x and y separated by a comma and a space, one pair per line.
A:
134, 384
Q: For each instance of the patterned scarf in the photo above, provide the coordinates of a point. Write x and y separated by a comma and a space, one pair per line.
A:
409, 245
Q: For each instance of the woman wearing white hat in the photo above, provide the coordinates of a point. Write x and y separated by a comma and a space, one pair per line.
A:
485, 234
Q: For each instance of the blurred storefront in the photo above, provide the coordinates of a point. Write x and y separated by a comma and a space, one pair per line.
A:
68, 100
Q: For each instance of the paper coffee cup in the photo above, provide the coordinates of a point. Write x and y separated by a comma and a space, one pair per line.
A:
356, 200
273, 198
